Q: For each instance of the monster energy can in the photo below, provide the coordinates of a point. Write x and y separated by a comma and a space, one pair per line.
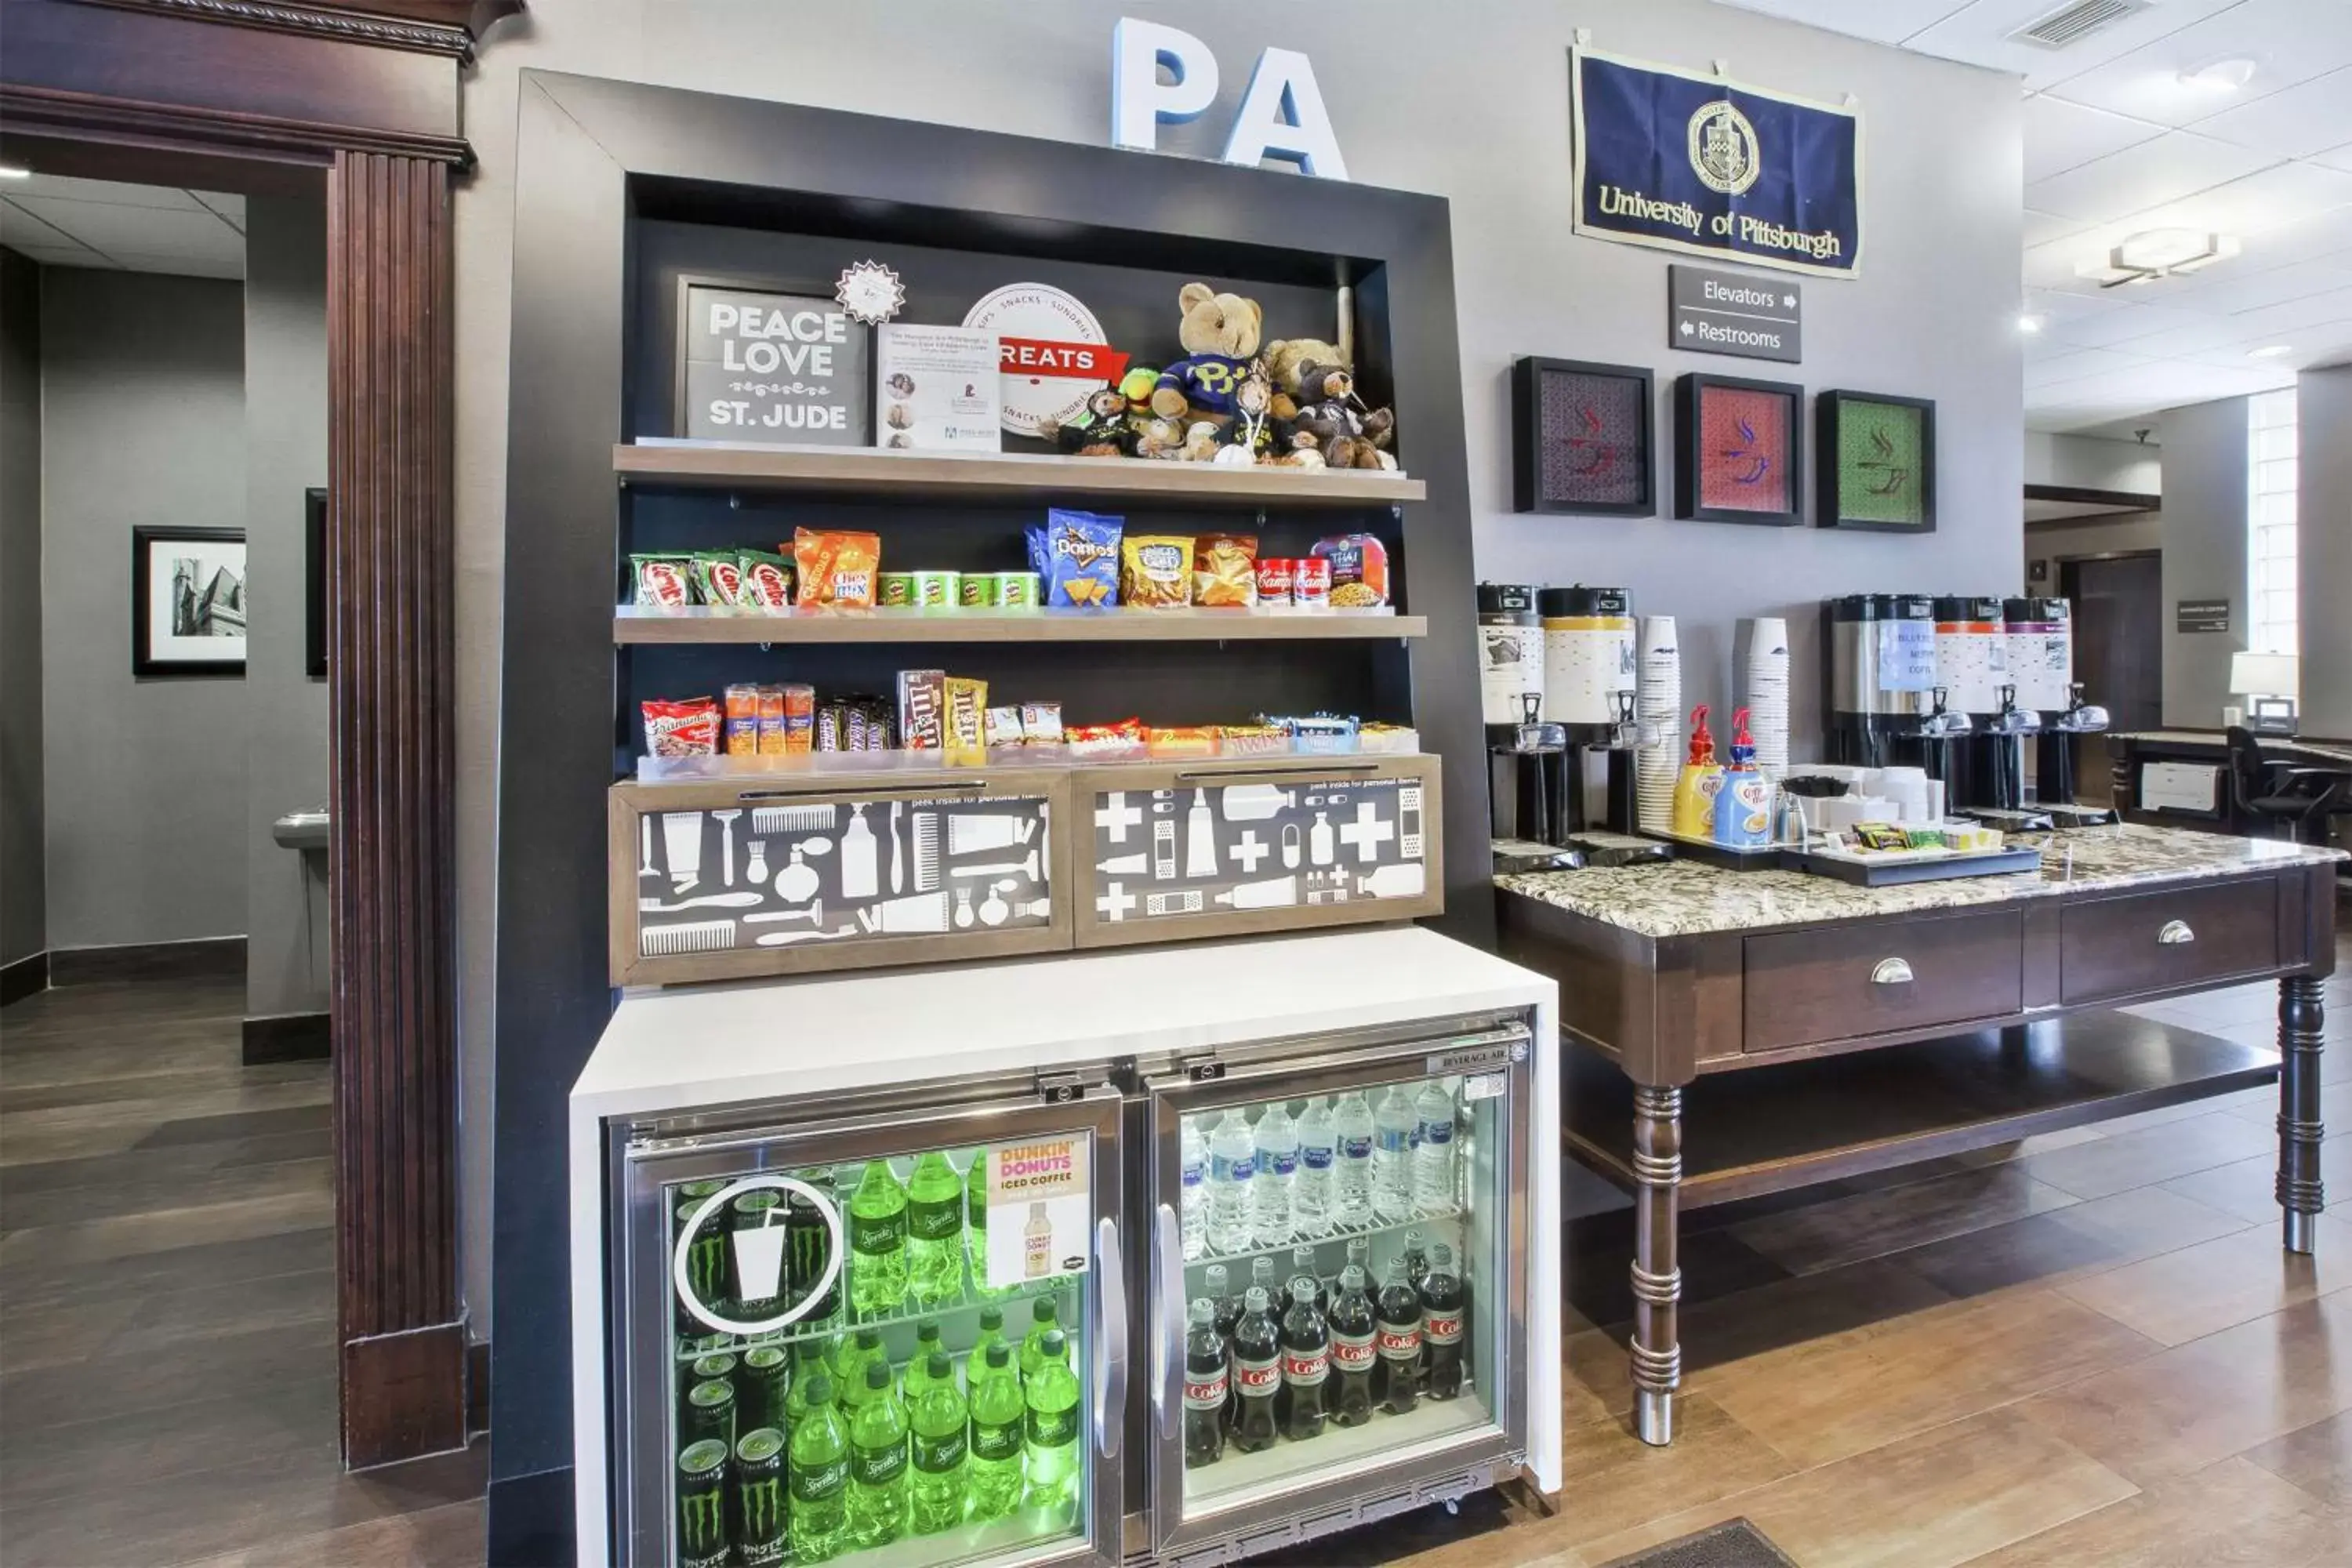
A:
709, 1413
750, 1213
808, 1245
765, 1382
702, 1505
760, 1497
706, 1263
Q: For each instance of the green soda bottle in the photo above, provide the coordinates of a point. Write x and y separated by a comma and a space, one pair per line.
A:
1051, 1462
998, 1419
877, 1462
975, 1225
919, 1366
935, 1201
819, 1475
992, 1333
935, 1495
1045, 1319
810, 1362
857, 1352
877, 1242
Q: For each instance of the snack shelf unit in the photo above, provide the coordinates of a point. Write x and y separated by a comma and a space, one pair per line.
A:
999, 477
635, 623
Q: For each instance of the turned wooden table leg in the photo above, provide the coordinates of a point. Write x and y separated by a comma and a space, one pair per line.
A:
1657, 1351
2301, 1018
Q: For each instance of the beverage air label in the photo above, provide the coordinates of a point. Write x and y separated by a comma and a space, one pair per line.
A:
1205, 1393
1353, 1353
1398, 1342
815, 1483
1053, 1428
1039, 1199
1258, 1377
995, 1440
935, 1222
878, 1467
936, 1455
1305, 1368
1443, 1330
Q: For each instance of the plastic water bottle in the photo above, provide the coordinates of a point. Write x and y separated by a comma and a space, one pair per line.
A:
1392, 1129
1271, 1218
1310, 1198
1233, 1159
1433, 1157
1352, 1170
1195, 1212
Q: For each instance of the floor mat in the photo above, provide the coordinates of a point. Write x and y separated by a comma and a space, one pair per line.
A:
1737, 1544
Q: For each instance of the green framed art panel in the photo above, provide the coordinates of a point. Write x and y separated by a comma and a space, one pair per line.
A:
1876, 454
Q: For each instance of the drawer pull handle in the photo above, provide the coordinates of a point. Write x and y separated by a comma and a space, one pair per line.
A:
1892, 972
2175, 932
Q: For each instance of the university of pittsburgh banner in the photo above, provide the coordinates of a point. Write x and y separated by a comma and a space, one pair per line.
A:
1693, 163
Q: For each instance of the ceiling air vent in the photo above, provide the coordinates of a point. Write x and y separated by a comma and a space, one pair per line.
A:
2073, 23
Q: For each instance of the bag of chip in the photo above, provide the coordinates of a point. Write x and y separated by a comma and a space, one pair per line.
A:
1224, 569
1360, 569
836, 570
664, 582
682, 728
718, 577
1155, 571
767, 580
1076, 554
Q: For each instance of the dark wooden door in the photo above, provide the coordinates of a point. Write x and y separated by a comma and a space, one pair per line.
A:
2119, 649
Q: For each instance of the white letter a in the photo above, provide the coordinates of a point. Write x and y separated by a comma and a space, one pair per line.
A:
1282, 116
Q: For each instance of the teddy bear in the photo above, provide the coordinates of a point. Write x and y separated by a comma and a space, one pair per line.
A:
1348, 435
1283, 359
1101, 429
1219, 335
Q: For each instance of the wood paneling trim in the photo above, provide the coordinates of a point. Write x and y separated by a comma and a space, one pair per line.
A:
392, 33
389, 349
95, 117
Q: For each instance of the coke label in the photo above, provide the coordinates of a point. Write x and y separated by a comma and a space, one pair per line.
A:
1255, 1378
1405, 1346
1353, 1353
1442, 1330
1306, 1370
1205, 1393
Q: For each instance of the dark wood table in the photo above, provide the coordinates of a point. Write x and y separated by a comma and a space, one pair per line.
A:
2003, 989
2129, 751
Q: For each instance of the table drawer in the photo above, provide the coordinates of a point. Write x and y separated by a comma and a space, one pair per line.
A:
2165, 940
1845, 981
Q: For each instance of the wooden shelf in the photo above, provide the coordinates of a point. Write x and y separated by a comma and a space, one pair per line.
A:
705, 624
1799, 1122
916, 476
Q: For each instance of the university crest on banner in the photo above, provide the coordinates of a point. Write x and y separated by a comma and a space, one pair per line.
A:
1692, 163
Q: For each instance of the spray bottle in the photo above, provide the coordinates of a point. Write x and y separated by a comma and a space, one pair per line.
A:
1702, 777
1743, 810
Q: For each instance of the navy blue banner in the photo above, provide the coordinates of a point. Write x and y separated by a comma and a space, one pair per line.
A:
1693, 163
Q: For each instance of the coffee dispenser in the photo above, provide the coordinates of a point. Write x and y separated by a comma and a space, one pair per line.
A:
1971, 668
1588, 685
1527, 758
1879, 675
2041, 647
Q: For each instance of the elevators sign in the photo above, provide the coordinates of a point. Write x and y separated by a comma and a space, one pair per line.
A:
1712, 312
1038, 1204
757, 365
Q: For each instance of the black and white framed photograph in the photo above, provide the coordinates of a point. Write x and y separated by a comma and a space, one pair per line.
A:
187, 601
314, 584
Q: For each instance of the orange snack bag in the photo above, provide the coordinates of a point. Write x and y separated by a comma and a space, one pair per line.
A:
836, 570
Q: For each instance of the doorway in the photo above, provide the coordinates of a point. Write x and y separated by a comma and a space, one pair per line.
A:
2118, 645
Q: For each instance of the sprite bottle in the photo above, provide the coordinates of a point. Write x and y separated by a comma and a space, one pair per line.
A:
760, 1534
702, 1505
935, 1201
1044, 1322
877, 1461
919, 1366
810, 1363
975, 1225
992, 1333
1051, 1464
997, 1433
878, 1241
935, 1494
855, 1354
819, 1475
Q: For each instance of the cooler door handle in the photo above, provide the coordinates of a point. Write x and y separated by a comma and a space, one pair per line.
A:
1168, 1345
1111, 1342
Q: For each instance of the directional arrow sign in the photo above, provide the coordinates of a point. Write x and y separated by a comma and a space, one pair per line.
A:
1713, 311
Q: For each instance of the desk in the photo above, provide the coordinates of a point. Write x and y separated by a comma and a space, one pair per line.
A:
2001, 988
2129, 751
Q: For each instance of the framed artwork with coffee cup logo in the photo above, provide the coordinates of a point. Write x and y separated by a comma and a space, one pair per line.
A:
1877, 457
1581, 438
1739, 456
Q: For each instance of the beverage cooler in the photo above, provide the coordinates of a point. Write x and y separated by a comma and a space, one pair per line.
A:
1179, 1303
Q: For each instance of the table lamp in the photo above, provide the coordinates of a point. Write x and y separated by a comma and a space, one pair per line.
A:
2268, 681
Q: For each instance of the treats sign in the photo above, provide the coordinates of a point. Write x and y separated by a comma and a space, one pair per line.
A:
761, 366
1282, 114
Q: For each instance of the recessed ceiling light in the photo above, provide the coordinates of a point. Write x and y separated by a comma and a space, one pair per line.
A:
11, 172
2270, 351
2226, 75
2030, 323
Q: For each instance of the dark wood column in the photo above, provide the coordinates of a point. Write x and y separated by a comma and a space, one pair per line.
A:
389, 378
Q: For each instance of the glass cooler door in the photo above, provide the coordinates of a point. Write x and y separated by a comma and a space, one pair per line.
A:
895, 1338
1339, 1279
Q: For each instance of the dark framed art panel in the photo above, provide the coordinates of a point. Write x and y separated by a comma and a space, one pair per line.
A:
1738, 450
1583, 438
701, 368
1877, 457
187, 601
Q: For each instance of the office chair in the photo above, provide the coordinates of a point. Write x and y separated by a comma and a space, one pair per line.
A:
2295, 801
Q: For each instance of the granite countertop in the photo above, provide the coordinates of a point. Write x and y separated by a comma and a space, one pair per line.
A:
1684, 897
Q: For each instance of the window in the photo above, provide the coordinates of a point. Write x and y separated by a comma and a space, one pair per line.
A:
2270, 523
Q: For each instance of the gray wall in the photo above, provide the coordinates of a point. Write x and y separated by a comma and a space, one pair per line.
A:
2104, 536
1474, 108
286, 711
23, 929
2324, 549
2204, 553
2094, 462
143, 422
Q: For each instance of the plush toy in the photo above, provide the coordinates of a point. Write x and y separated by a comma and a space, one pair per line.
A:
1282, 362
1348, 435
1294, 446
1137, 386
1100, 430
1220, 334
1203, 438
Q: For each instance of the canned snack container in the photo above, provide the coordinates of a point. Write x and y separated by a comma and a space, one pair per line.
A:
1017, 588
979, 591
936, 590
1310, 581
895, 590
1274, 579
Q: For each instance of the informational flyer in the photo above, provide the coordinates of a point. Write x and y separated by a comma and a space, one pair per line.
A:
935, 389
1038, 1203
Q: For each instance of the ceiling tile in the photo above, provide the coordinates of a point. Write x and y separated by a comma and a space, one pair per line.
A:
2121, 327
2164, 169
1884, 21
2312, 309
2229, 291
183, 265
154, 231
2336, 157
2289, 41
61, 255
2041, 229
2297, 122
2077, 363
2059, 135
61, 188
1978, 35
21, 228
2203, 335
229, 207
2277, 196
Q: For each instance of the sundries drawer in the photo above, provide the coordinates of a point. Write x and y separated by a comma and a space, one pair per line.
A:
1847, 982
2167, 939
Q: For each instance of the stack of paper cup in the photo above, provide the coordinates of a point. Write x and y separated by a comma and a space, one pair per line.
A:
1658, 709
1764, 688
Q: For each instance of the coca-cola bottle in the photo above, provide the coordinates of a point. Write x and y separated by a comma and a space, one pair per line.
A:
1302, 1261
1257, 1372
1417, 1258
1355, 1336
1397, 1311
1444, 1304
1204, 1388
1218, 1280
1359, 1255
1306, 1361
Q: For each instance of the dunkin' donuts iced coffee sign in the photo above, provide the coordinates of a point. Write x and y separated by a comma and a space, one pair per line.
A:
1038, 1202
759, 366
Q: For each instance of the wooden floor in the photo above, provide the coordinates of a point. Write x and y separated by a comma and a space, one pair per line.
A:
2088, 1349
